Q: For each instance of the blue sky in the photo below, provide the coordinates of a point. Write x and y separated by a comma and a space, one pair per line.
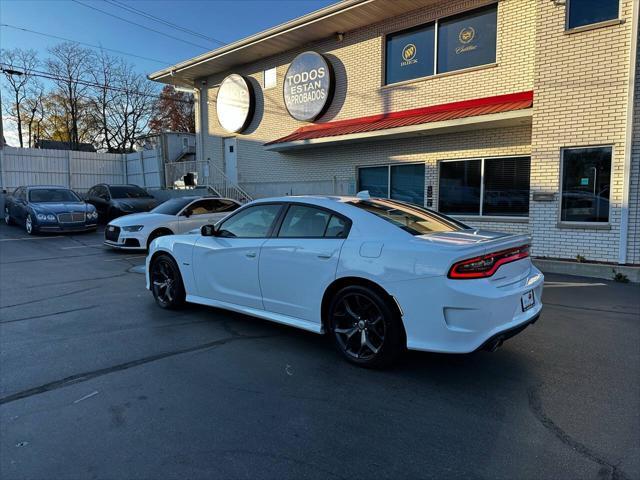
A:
225, 20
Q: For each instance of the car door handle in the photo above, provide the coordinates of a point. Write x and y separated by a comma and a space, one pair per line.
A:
325, 255
251, 254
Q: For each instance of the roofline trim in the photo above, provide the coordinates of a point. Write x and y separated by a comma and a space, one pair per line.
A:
259, 37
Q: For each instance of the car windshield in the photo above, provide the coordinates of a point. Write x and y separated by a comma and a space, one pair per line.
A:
128, 191
173, 206
410, 218
52, 195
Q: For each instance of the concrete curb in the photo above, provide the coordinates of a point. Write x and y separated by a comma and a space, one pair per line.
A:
595, 270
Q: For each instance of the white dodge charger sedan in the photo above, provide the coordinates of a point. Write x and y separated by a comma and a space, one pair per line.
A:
377, 275
177, 215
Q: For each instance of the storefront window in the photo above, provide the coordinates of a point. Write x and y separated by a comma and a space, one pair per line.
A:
586, 180
375, 180
410, 54
407, 182
491, 187
460, 187
467, 40
506, 186
588, 12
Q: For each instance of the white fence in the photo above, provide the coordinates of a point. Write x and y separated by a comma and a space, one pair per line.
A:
144, 168
78, 170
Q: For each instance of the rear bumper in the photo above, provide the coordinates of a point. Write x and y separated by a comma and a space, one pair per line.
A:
499, 338
461, 316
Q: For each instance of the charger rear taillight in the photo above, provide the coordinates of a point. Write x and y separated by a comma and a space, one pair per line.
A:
487, 265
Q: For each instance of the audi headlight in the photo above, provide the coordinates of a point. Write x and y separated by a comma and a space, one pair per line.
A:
133, 228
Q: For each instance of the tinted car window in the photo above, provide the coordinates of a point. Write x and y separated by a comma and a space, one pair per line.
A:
415, 220
212, 205
301, 222
252, 222
172, 206
337, 228
128, 191
52, 195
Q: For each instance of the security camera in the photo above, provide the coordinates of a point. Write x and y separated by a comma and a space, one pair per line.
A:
203, 82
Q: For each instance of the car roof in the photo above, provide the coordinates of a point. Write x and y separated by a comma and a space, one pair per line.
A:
58, 187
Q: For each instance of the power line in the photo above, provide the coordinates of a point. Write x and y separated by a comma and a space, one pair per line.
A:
51, 76
83, 43
140, 25
136, 11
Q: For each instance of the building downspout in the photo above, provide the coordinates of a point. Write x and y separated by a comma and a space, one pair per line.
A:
626, 174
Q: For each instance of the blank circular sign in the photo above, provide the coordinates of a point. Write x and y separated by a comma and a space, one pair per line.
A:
308, 86
235, 103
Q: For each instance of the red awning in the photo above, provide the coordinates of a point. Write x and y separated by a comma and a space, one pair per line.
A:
416, 116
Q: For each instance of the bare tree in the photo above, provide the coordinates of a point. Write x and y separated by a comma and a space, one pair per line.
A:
33, 111
18, 66
70, 66
122, 103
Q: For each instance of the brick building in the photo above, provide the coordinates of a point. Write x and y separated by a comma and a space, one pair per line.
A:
513, 115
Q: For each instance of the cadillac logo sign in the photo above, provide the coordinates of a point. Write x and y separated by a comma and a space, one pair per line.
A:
466, 34
308, 86
465, 37
235, 103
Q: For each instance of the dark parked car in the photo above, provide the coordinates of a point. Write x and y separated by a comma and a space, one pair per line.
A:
112, 201
49, 209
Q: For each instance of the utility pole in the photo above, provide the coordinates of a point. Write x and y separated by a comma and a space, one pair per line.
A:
6, 71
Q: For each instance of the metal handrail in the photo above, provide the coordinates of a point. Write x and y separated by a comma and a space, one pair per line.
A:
205, 174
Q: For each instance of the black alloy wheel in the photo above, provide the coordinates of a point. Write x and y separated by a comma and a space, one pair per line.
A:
365, 328
166, 283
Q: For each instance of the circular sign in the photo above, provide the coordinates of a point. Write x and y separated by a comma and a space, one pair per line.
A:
466, 34
409, 52
235, 103
308, 86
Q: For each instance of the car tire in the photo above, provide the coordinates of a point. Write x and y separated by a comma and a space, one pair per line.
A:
365, 327
7, 218
166, 282
155, 234
29, 226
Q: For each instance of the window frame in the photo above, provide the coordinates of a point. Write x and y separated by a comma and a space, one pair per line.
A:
480, 216
388, 167
332, 213
274, 225
579, 224
436, 22
589, 26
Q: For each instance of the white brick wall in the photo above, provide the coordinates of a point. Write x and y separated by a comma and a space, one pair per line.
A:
580, 82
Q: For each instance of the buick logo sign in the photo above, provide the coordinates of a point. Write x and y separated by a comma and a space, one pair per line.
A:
235, 103
308, 86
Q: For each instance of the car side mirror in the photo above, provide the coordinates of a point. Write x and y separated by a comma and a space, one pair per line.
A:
209, 231
187, 213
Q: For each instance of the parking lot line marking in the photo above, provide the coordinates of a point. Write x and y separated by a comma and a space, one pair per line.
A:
28, 238
572, 284
125, 258
86, 396
82, 246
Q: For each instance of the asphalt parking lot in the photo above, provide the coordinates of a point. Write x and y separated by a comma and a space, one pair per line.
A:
97, 382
